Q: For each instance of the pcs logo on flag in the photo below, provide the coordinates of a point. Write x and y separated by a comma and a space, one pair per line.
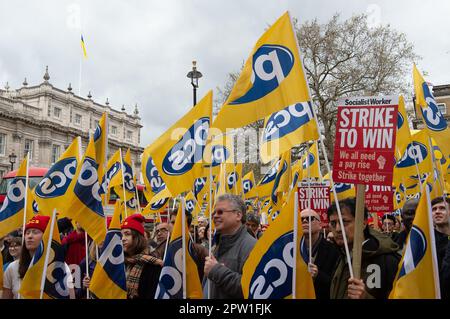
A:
187, 151
247, 185
271, 64
272, 278
272, 174
414, 152
57, 179
287, 121
159, 204
153, 176
431, 115
415, 251
220, 154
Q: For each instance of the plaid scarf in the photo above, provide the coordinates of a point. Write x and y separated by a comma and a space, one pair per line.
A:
134, 267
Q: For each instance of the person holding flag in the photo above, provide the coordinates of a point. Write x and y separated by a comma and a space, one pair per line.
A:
233, 246
48, 276
34, 231
108, 278
179, 277
379, 257
142, 270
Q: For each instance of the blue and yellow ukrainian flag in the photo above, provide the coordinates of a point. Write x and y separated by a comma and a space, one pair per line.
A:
12, 210
83, 47
85, 201
273, 254
51, 192
108, 280
272, 79
171, 278
417, 276
178, 153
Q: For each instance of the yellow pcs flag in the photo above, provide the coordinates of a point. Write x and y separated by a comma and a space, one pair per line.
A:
219, 149
126, 190
249, 186
311, 159
403, 137
52, 191
435, 123
13, 208
272, 79
101, 143
152, 179
274, 250
287, 128
85, 201
108, 280
172, 271
178, 153
418, 154
265, 185
417, 276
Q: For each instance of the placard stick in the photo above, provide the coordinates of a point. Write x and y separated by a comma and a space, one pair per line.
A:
359, 230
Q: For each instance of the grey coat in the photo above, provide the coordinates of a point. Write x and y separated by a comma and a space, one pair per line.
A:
232, 251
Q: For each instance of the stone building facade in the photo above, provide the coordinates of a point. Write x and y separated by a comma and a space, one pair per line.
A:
44, 120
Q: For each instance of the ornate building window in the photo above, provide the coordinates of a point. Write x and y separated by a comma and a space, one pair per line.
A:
78, 118
57, 112
113, 130
129, 135
56, 151
2, 144
29, 147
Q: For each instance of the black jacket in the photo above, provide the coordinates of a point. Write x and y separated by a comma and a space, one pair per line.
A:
148, 282
326, 259
379, 266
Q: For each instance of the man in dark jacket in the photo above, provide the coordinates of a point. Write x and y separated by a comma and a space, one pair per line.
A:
379, 260
324, 255
233, 246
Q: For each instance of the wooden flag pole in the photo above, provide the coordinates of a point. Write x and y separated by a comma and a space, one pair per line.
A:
358, 237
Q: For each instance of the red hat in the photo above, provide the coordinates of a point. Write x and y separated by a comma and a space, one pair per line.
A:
135, 222
38, 222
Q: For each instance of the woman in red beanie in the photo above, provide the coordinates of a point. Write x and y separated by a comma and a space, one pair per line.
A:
142, 270
34, 230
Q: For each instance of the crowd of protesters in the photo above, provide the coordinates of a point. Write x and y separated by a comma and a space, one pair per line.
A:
236, 231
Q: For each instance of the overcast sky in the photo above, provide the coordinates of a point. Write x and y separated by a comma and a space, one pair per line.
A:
140, 51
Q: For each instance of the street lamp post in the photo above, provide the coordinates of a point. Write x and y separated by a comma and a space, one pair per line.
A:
12, 159
194, 75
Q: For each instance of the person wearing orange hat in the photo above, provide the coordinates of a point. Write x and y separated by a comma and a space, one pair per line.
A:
34, 230
142, 269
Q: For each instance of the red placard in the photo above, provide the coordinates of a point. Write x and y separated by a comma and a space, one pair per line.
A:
379, 199
365, 140
319, 198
